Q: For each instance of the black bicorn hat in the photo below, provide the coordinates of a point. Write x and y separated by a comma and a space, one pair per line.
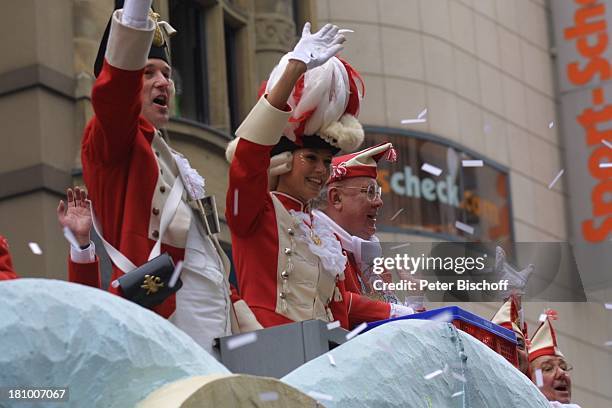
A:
159, 47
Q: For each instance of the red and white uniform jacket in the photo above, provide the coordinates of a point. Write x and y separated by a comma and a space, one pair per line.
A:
129, 171
283, 275
6, 263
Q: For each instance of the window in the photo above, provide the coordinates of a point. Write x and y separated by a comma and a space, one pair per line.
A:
231, 67
189, 60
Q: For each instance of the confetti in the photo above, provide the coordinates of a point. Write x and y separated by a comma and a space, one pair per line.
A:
400, 246
396, 214
411, 121
345, 30
608, 306
236, 202
431, 169
356, 331
331, 360
605, 165
487, 128
433, 374
464, 227
35, 248
457, 394
539, 378
604, 141
444, 317
552, 183
422, 114
242, 340
459, 377
268, 396
333, 325
115, 284
320, 396
542, 317
176, 274
551, 124
472, 163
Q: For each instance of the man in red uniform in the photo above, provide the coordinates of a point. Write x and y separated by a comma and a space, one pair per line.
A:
134, 178
349, 206
6, 263
289, 268
508, 316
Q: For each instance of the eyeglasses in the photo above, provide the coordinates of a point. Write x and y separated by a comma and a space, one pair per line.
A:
373, 191
548, 368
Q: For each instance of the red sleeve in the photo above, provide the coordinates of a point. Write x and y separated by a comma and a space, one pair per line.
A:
248, 183
117, 104
6, 263
85, 273
363, 309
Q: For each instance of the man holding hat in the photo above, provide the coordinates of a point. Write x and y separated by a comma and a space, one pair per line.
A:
290, 268
144, 193
549, 369
349, 207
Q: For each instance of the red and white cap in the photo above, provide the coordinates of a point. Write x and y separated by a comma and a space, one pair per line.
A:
361, 164
508, 316
544, 341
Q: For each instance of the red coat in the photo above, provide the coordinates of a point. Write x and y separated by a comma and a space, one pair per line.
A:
254, 224
360, 307
6, 263
87, 274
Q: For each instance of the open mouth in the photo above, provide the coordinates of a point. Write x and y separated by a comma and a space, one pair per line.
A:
372, 217
161, 100
561, 388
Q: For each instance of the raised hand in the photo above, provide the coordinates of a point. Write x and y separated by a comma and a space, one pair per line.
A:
76, 215
315, 49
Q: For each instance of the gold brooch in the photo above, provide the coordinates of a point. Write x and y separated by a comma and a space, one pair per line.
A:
315, 238
152, 284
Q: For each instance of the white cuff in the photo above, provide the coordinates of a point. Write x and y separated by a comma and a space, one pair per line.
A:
135, 13
128, 47
81, 256
264, 124
399, 310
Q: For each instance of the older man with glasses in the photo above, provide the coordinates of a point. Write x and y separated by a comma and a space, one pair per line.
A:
549, 369
349, 206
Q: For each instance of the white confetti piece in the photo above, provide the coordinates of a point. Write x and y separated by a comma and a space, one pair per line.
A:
487, 128
400, 246
356, 331
70, 237
236, 202
433, 374
35, 248
551, 124
396, 214
115, 284
472, 163
422, 114
464, 227
557, 177
444, 317
345, 30
459, 377
331, 360
608, 344
242, 340
175, 274
604, 141
539, 378
411, 121
320, 396
431, 169
608, 306
542, 317
333, 325
268, 396
457, 394
605, 165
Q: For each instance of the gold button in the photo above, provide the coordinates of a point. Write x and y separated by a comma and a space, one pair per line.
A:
162, 189
282, 295
155, 211
287, 251
156, 234
290, 231
157, 153
285, 274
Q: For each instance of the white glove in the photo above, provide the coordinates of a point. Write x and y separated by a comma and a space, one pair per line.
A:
315, 49
135, 13
399, 310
